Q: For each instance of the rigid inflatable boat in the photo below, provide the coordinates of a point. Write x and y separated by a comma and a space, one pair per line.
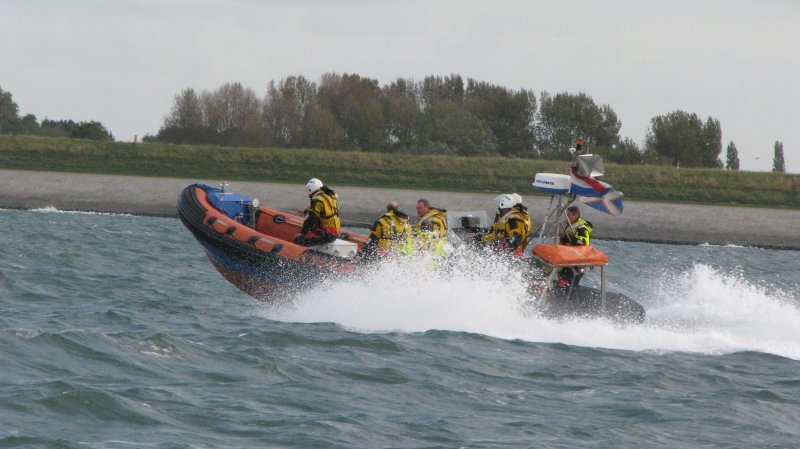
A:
251, 245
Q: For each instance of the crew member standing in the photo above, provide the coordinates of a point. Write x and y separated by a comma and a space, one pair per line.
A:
575, 232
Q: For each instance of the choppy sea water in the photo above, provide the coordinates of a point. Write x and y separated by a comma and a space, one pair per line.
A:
116, 332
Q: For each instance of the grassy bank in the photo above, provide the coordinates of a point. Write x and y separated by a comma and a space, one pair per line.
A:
449, 173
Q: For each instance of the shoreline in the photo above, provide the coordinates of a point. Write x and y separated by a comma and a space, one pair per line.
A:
642, 221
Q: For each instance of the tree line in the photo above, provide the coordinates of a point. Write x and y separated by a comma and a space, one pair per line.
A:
12, 123
437, 115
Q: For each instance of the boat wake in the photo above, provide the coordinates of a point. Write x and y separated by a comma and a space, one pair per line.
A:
701, 310
705, 310
55, 210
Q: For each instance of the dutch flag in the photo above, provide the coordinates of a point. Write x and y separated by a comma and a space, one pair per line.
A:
595, 193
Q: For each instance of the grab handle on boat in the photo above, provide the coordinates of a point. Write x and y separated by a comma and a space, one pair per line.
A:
252, 212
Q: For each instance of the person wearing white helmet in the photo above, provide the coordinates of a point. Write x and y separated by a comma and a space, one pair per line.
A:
511, 227
322, 223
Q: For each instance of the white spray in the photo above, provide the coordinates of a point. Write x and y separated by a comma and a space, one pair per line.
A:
701, 310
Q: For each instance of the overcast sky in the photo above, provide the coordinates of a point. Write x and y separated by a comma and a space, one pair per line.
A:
122, 62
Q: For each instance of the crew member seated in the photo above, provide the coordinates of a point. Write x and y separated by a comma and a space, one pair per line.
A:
390, 232
575, 231
431, 230
512, 223
322, 224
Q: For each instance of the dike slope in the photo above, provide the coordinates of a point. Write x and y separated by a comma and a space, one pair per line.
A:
642, 221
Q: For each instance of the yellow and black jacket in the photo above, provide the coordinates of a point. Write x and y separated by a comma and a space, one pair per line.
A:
323, 213
578, 233
435, 221
510, 230
431, 232
390, 230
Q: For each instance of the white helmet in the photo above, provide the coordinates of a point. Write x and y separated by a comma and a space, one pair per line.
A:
506, 200
313, 185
